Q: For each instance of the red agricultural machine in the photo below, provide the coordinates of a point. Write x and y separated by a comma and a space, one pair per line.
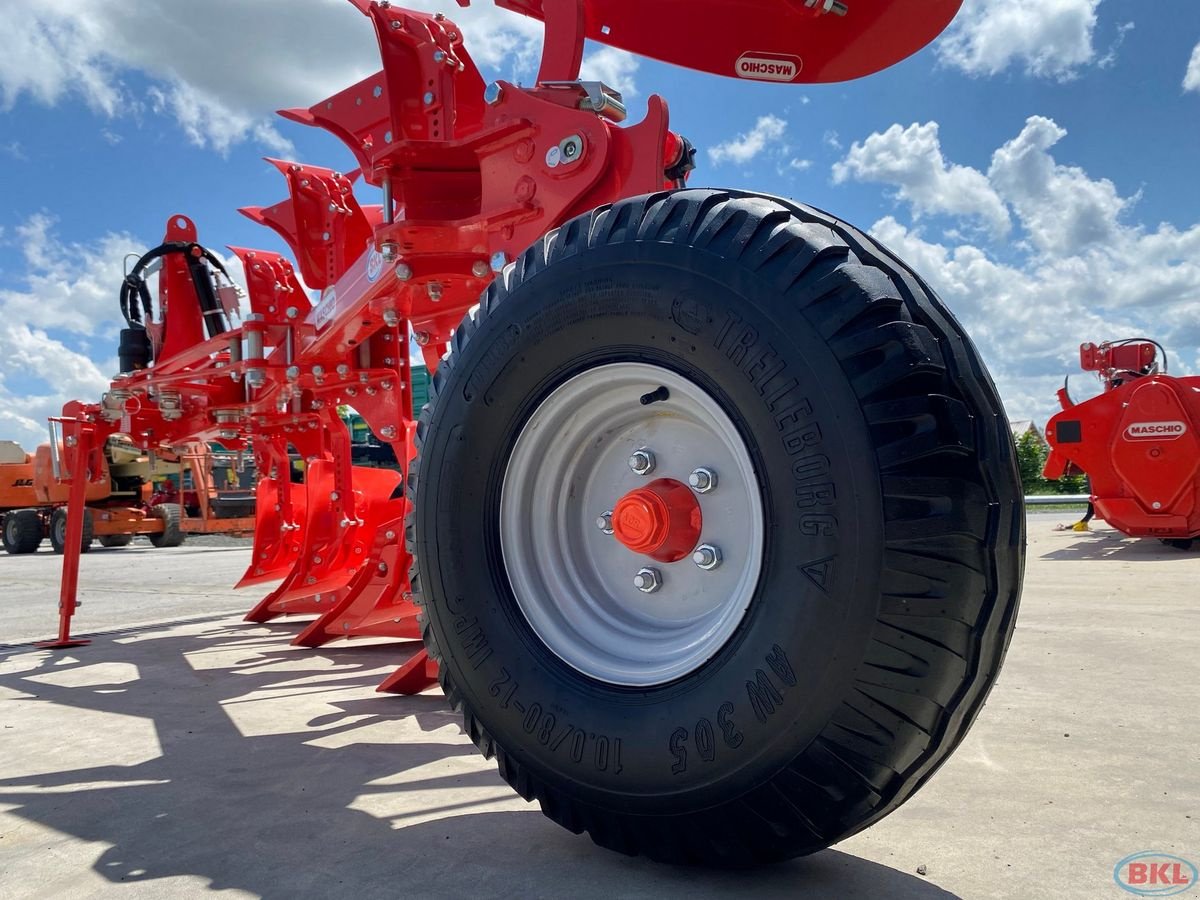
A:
1137, 442
711, 527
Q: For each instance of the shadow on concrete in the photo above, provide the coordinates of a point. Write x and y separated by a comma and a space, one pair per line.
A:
281, 814
1111, 545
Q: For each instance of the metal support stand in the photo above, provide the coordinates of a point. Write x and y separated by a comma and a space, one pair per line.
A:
77, 440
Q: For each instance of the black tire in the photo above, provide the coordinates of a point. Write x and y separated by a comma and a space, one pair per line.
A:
881, 618
22, 531
115, 540
58, 530
172, 534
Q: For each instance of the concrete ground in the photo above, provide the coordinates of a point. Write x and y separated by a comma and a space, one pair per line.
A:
203, 754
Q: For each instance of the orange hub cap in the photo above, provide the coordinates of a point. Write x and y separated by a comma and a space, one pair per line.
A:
661, 520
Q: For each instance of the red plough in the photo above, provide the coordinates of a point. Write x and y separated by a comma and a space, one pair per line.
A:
712, 516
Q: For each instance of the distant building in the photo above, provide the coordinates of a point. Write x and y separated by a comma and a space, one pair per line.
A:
1026, 426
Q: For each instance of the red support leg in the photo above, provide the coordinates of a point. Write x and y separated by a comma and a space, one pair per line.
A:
77, 436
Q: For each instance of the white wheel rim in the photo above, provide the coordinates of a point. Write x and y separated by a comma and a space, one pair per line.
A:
573, 582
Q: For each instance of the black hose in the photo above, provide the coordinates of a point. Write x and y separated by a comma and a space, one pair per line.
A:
135, 295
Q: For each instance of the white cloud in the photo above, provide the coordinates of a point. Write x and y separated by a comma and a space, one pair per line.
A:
767, 132
1191, 79
61, 374
67, 295
1080, 273
911, 159
222, 72
1051, 39
1062, 209
66, 286
614, 67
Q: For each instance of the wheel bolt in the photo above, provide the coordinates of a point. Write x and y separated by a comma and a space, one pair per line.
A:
647, 580
604, 521
706, 556
702, 480
642, 461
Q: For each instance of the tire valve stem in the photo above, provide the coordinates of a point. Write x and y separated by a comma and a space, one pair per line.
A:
658, 394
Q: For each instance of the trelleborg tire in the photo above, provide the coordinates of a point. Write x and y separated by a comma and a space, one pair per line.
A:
880, 528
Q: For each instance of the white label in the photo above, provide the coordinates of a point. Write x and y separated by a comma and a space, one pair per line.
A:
768, 67
1151, 431
326, 308
374, 264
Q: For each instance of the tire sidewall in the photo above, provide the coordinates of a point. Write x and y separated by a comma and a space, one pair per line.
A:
708, 319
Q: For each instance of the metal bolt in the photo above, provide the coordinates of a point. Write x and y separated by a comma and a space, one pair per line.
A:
292, 373
404, 271
647, 580
343, 370
642, 461
382, 568
389, 250
702, 480
292, 312
492, 93
604, 521
438, 56
390, 535
428, 98
388, 431
391, 318
480, 269
333, 495
434, 289
707, 557
325, 235
422, 338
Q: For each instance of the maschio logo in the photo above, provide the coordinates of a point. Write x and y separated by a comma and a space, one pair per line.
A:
1150, 874
1146, 431
768, 66
374, 264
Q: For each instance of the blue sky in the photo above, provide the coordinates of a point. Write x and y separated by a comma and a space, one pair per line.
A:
1037, 163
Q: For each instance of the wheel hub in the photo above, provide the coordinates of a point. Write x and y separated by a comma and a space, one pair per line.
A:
648, 588
661, 520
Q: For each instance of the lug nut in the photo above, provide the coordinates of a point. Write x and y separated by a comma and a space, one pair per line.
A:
647, 580
642, 461
604, 521
707, 557
702, 480
492, 94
